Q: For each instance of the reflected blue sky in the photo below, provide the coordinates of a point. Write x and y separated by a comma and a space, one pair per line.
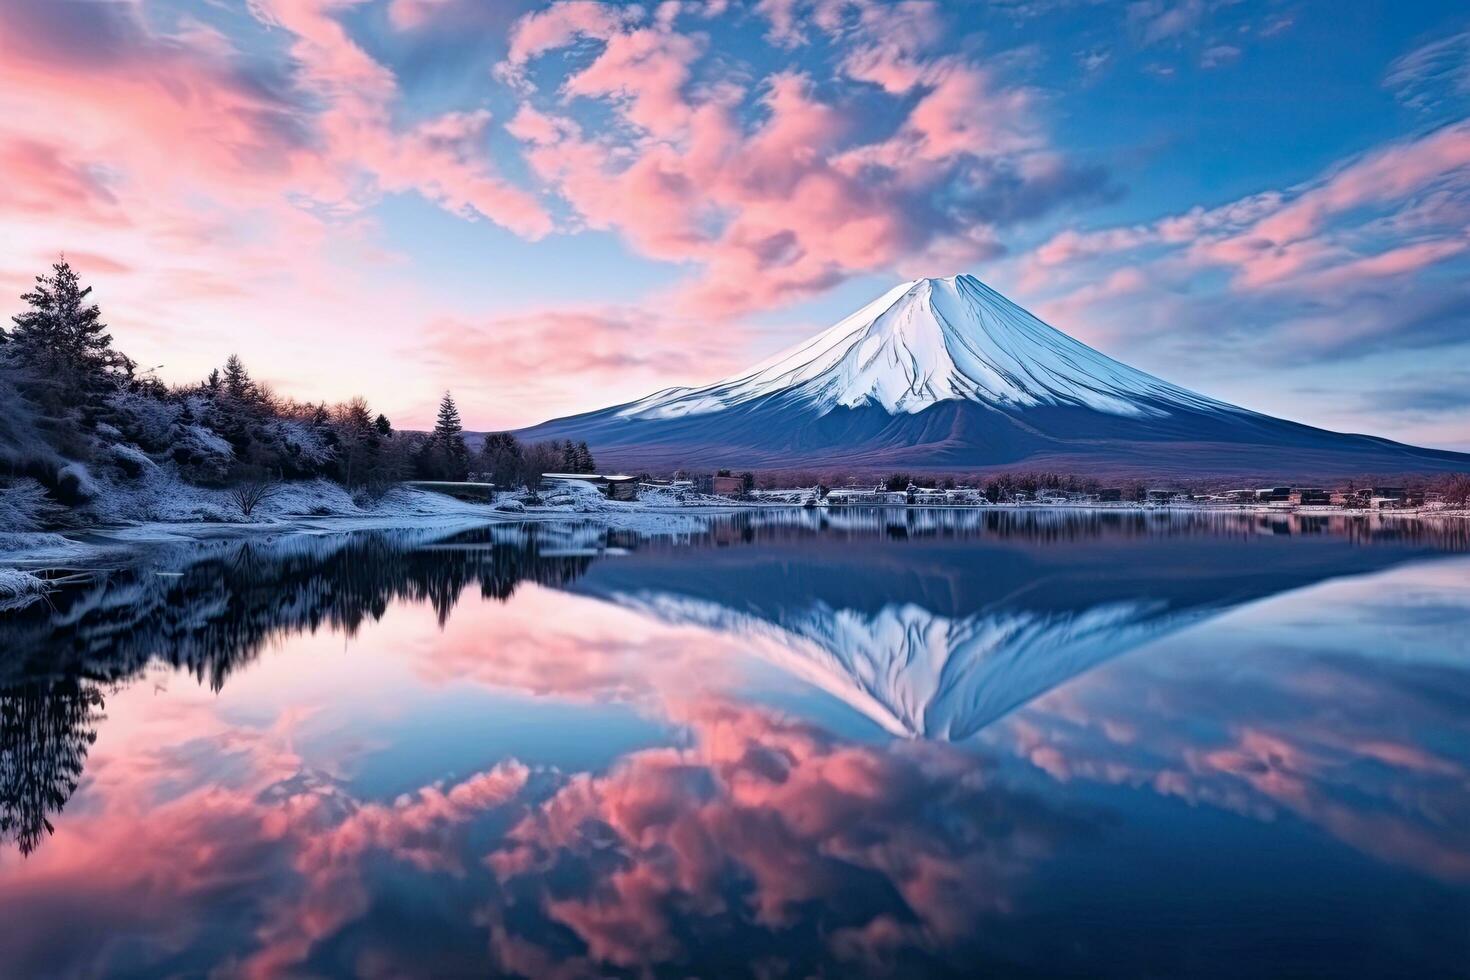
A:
774, 747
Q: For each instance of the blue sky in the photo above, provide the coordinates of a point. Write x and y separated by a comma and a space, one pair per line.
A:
550, 207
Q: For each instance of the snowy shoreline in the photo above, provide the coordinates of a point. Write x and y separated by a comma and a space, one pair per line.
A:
24, 554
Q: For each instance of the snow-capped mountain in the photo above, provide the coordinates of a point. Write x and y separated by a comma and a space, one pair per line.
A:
947, 373
929, 341
942, 634
917, 674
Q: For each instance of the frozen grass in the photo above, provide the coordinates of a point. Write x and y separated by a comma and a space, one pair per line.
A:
19, 588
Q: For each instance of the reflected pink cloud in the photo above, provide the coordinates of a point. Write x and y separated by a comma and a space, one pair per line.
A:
601, 653
1303, 737
801, 817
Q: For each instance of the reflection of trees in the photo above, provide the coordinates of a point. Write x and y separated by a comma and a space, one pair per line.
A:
1042, 525
220, 602
211, 618
219, 609
46, 729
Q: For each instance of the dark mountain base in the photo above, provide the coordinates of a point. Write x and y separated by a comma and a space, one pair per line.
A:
778, 434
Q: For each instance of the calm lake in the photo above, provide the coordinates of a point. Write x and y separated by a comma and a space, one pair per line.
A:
1029, 743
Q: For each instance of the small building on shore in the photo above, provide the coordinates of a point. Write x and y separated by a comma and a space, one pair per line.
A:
727, 486
1311, 496
613, 486
1378, 498
930, 496
1273, 495
855, 496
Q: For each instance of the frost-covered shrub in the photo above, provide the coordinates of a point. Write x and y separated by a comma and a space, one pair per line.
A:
18, 588
306, 442
576, 495
24, 444
24, 506
145, 419
201, 454
75, 484
131, 460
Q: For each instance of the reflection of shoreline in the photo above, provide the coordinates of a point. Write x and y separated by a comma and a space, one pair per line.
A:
934, 636
210, 612
104, 548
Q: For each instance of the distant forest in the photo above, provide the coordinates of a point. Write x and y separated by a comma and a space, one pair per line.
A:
77, 418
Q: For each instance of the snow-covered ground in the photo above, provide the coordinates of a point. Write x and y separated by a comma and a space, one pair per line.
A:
180, 512
168, 510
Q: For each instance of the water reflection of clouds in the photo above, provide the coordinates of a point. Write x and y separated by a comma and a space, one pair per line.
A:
762, 827
227, 829
1270, 714
759, 829
553, 644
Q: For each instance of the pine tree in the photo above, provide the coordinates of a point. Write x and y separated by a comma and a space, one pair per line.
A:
448, 425
384, 427
64, 335
449, 454
584, 454
237, 382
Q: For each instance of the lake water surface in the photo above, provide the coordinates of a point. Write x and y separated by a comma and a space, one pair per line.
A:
910, 742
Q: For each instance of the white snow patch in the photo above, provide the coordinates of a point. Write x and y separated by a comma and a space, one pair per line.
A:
934, 340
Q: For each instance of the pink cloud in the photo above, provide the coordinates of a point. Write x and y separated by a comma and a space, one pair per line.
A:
790, 203
39, 180
1382, 176
438, 158
649, 69
1392, 215
551, 356
1293, 239
560, 24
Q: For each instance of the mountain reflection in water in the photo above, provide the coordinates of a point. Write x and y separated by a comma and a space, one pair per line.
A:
595, 753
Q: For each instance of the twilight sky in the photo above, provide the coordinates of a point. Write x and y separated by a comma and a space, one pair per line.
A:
549, 208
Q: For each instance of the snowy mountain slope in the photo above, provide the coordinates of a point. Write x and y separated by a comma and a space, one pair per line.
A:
934, 340
938, 636
947, 373
921, 675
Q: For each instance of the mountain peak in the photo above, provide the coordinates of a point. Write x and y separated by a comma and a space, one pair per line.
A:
928, 341
946, 373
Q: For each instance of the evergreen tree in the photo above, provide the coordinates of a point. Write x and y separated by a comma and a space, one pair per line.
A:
447, 455
63, 336
584, 455
501, 458
448, 425
357, 441
384, 427
237, 383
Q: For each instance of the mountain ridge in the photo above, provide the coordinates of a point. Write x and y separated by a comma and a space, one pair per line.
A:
948, 374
